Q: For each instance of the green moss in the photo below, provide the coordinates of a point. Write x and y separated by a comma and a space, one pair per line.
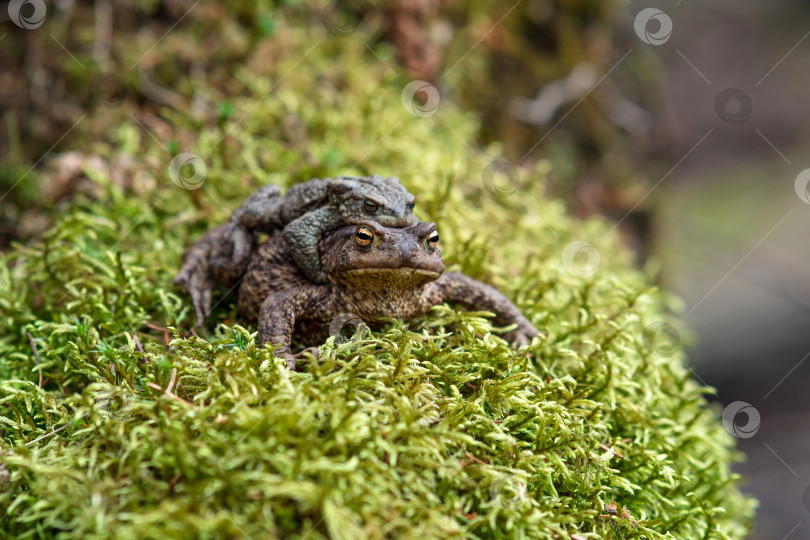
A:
429, 429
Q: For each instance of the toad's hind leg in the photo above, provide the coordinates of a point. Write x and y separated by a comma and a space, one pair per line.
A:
261, 211
230, 253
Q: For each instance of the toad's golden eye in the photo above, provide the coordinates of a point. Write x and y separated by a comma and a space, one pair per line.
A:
433, 240
370, 206
363, 236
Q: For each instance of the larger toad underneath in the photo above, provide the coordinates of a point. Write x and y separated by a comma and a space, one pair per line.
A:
372, 272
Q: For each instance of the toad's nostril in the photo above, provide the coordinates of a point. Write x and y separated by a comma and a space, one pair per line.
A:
407, 253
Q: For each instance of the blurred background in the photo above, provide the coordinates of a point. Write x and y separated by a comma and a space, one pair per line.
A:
683, 122
732, 231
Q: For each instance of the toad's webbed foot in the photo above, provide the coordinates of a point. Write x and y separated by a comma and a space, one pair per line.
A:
195, 257
200, 287
195, 275
521, 337
293, 359
287, 357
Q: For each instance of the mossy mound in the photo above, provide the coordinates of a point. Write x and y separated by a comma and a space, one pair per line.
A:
124, 425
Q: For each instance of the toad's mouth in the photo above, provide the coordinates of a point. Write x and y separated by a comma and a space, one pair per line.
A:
401, 271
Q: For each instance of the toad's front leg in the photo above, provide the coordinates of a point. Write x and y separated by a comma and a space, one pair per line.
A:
303, 234
279, 314
457, 288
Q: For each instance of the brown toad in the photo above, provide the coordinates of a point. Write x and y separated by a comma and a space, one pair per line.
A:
304, 213
373, 272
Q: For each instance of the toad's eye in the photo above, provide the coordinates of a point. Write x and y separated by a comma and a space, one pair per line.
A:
409, 206
432, 240
370, 206
363, 236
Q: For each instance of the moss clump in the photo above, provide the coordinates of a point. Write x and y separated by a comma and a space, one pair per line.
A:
139, 429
